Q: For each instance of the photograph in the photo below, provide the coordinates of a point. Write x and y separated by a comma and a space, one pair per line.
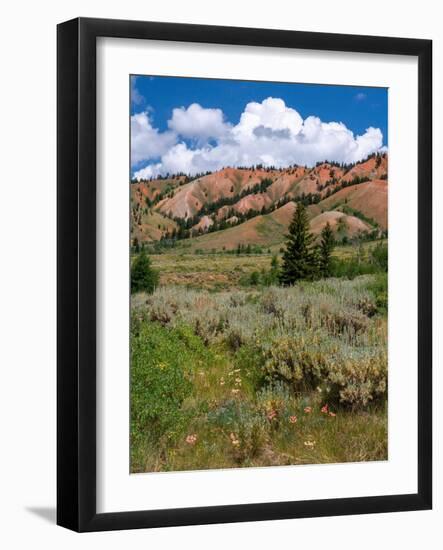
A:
259, 264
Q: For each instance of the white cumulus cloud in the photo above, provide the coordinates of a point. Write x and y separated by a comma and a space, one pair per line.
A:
269, 133
198, 122
147, 142
271, 115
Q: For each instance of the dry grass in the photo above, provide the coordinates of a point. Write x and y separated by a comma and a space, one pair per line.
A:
315, 438
220, 270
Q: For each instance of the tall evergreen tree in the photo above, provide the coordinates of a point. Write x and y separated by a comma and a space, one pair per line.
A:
143, 276
326, 247
298, 261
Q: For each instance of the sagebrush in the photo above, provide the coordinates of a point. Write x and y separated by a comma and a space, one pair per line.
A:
225, 379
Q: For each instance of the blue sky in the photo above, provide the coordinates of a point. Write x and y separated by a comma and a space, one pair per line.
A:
237, 122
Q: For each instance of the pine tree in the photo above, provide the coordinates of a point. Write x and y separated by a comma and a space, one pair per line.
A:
298, 259
326, 247
273, 276
143, 277
274, 262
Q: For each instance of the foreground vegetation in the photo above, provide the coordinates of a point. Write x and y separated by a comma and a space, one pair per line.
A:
257, 375
286, 366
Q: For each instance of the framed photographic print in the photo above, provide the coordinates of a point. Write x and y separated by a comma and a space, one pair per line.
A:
244, 274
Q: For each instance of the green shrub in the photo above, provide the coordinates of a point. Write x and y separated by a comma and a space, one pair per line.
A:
265, 277
143, 277
254, 278
361, 264
382, 302
379, 256
351, 268
379, 287
271, 276
160, 363
249, 359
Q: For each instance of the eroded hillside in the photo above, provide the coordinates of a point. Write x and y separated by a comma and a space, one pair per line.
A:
255, 205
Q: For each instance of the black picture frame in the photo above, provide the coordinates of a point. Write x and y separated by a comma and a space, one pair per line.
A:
76, 274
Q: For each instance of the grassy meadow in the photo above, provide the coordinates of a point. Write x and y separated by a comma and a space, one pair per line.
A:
230, 370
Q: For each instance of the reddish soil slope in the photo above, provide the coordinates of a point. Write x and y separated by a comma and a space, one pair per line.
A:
373, 168
370, 198
352, 224
155, 204
190, 198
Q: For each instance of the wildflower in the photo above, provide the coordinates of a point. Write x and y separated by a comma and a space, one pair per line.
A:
324, 409
272, 414
293, 419
308, 410
332, 414
191, 439
309, 444
235, 391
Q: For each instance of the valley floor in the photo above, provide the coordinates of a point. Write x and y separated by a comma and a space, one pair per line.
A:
221, 270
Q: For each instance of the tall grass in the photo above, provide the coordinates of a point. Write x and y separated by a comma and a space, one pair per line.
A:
260, 376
